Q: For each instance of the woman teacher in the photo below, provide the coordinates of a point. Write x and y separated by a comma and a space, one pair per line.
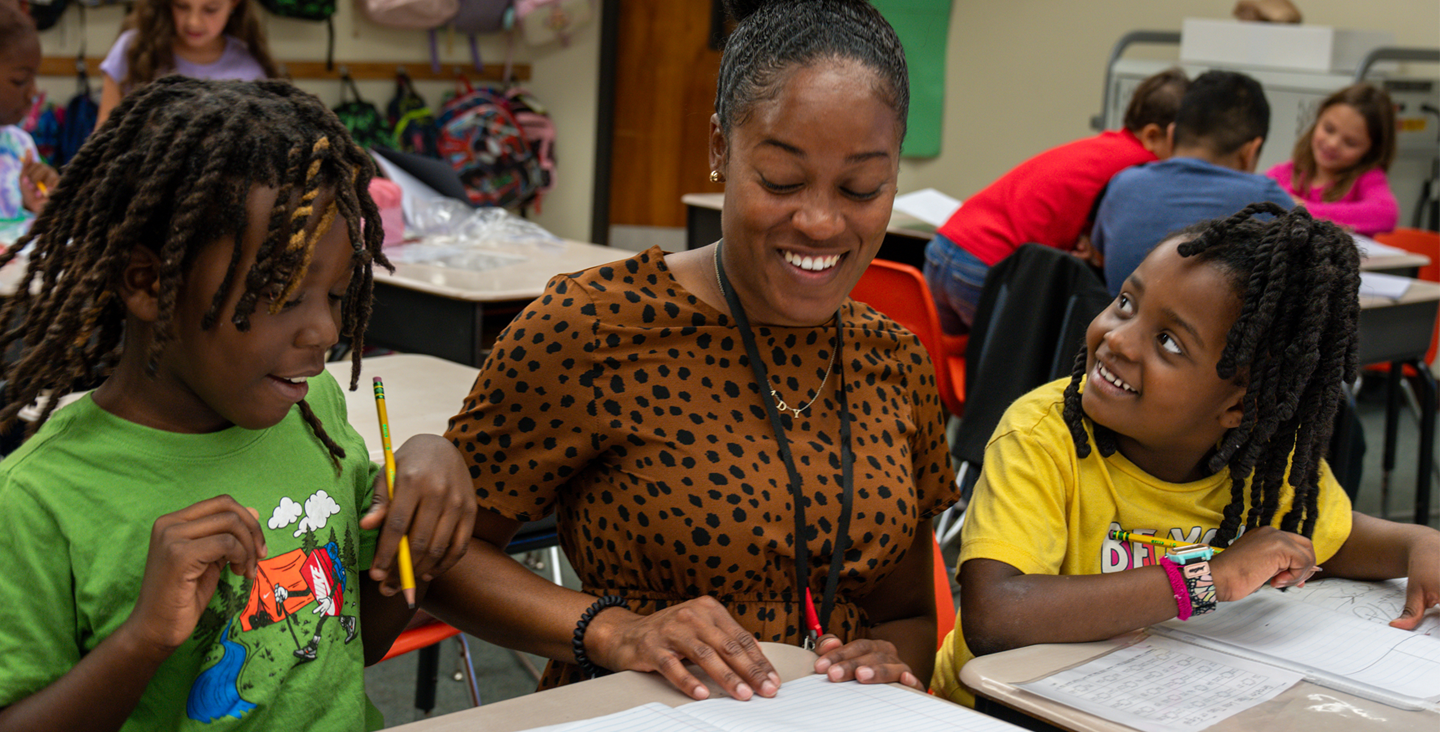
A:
722, 432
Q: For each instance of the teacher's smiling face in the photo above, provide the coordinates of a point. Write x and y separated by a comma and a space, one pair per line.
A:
810, 179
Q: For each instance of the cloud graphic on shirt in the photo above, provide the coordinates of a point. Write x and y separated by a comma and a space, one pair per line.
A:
285, 513
319, 507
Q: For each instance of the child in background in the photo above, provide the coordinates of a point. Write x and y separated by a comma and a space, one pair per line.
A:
1339, 164
1218, 132
202, 39
1047, 199
24, 180
1221, 361
203, 252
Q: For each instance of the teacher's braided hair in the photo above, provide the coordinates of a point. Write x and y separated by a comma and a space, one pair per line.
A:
772, 38
172, 170
1293, 347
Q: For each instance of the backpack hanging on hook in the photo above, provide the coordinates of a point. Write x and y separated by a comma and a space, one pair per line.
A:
476, 18
360, 117
313, 10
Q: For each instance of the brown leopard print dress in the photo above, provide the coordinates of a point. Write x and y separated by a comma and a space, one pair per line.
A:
627, 405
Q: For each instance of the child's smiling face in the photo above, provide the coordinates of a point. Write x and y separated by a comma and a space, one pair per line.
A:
1151, 368
211, 379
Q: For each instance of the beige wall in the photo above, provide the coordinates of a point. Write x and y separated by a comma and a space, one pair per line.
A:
1026, 75
563, 77
1023, 75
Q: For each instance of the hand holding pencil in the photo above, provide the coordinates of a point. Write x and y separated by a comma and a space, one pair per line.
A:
424, 506
407, 568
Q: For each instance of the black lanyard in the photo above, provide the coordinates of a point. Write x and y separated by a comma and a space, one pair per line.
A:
847, 459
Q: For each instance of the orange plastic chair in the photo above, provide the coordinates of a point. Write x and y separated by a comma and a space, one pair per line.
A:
944, 601
424, 634
1427, 243
899, 291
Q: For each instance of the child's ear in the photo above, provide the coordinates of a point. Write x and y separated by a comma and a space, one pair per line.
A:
1156, 139
139, 285
1250, 154
1234, 412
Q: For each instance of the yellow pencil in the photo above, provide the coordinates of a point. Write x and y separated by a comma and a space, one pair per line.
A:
1123, 535
407, 570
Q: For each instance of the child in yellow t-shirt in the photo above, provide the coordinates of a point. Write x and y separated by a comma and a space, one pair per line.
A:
1226, 348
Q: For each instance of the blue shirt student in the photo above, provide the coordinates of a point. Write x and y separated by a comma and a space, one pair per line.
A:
1146, 203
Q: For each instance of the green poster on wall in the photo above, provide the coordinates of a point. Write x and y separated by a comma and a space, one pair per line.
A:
924, 29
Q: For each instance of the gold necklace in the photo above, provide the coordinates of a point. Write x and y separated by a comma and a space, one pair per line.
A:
780, 403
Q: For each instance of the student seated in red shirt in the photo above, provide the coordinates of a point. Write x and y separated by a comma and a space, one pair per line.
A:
1047, 199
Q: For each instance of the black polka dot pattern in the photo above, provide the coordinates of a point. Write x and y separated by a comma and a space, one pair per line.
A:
627, 405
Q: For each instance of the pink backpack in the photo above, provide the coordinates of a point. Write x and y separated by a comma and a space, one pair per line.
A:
411, 14
539, 131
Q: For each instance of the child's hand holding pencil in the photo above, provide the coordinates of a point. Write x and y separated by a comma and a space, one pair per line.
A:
429, 515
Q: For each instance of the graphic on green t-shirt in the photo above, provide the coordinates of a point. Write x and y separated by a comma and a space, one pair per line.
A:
312, 574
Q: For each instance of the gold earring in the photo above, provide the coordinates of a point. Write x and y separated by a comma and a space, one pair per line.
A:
716, 177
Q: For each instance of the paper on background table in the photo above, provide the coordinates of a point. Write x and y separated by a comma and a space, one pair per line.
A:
928, 205
1379, 284
1371, 248
1333, 649
1163, 685
809, 704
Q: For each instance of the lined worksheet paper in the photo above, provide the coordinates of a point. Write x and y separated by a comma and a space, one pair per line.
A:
809, 704
1164, 685
1331, 648
1376, 602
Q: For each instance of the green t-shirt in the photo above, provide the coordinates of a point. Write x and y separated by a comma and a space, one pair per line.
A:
78, 501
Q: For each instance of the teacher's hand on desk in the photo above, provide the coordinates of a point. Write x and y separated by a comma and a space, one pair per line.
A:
700, 631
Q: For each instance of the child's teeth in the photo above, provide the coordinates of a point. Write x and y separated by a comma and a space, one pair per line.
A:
297, 380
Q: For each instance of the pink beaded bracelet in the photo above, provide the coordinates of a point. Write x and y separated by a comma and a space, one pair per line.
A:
1177, 585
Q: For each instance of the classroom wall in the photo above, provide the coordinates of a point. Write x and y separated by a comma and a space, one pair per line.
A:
1026, 75
565, 78
1005, 100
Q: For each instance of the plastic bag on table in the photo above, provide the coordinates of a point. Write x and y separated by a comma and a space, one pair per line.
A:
454, 234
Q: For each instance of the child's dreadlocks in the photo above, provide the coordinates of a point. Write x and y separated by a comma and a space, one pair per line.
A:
171, 170
1293, 347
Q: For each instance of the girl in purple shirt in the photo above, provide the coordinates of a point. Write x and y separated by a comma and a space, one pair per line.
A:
1338, 167
203, 39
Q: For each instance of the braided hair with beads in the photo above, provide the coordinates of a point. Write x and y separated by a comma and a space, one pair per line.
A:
1293, 347
172, 170
772, 38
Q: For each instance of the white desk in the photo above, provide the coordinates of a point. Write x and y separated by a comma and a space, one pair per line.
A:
421, 394
1304, 707
423, 308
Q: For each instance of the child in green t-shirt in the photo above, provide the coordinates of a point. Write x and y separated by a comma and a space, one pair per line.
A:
204, 251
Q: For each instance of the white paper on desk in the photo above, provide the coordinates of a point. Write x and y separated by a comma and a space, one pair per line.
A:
652, 717
928, 205
1370, 248
1376, 602
1332, 649
809, 704
412, 190
1378, 284
1162, 685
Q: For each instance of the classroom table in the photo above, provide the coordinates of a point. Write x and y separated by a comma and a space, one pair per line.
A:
1304, 707
598, 697
455, 313
905, 237
421, 394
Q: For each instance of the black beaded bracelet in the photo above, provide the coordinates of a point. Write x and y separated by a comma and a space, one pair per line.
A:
581, 660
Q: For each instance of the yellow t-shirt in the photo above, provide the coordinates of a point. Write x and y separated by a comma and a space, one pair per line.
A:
1027, 510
